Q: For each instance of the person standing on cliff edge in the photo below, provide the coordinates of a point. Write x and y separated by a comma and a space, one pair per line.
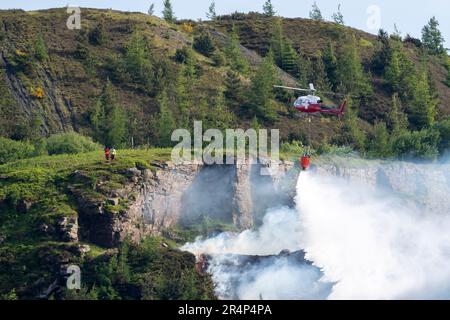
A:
113, 153
107, 153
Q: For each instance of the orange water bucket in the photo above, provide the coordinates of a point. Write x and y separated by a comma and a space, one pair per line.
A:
305, 162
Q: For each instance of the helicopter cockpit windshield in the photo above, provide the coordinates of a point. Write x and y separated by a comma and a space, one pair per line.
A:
306, 101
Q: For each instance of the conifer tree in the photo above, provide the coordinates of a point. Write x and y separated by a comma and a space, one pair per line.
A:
166, 122
234, 94
318, 72
350, 71
338, 16
382, 56
331, 65
423, 104
211, 14
397, 118
268, 9
151, 9
234, 54
285, 56
168, 13
137, 60
304, 70
315, 13
40, 50
262, 89
432, 37
289, 58
380, 146
393, 73
108, 118
351, 132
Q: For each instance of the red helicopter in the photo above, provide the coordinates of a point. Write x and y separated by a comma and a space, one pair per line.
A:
313, 104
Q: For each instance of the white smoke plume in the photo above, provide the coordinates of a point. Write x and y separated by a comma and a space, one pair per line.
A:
369, 244
374, 245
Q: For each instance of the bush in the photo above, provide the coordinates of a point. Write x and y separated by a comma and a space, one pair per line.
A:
418, 144
69, 143
219, 58
97, 35
443, 128
184, 55
40, 50
11, 150
204, 44
414, 41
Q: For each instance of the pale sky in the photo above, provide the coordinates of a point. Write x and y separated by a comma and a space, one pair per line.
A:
409, 15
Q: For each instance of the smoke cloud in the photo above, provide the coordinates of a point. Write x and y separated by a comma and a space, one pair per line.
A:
363, 242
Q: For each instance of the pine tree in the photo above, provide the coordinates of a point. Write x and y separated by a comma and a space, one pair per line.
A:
380, 146
40, 50
331, 65
234, 93
234, 54
351, 132
109, 119
268, 9
350, 71
285, 56
204, 44
338, 16
151, 9
262, 89
423, 104
166, 121
211, 14
397, 34
168, 13
397, 118
304, 70
137, 60
383, 56
186, 57
318, 74
289, 58
315, 13
432, 37
393, 73
277, 41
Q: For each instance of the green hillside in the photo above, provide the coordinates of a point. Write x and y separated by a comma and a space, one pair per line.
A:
129, 79
155, 76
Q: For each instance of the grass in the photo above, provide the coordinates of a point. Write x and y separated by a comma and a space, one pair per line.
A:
44, 181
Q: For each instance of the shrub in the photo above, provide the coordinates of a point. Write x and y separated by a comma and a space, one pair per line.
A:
37, 93
414, 41
418, 144
443, 128
204, 44
97, 35
187, 27
40, 50
184, 55
219, 58
69, 143
11, 150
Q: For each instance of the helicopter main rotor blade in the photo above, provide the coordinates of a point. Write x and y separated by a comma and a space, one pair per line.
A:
291, 88
338, 94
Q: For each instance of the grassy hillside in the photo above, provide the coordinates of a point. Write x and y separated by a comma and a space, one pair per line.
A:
35, 198
130, 79
311, 37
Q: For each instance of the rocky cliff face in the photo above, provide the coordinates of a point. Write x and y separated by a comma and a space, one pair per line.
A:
153, 201
426, 184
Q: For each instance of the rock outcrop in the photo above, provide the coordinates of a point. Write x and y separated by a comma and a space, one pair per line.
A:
153, 201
